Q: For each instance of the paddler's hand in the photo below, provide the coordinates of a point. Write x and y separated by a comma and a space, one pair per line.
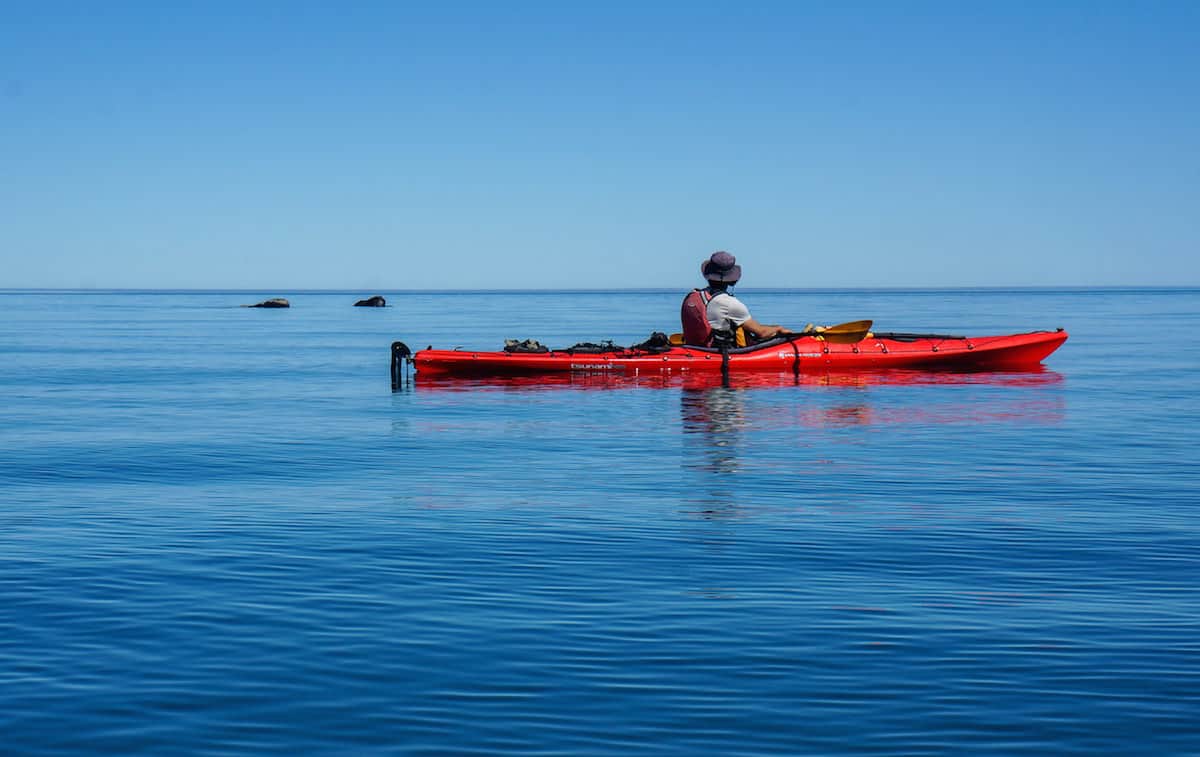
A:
763, 331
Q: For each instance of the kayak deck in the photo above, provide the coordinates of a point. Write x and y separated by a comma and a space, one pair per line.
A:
793, 354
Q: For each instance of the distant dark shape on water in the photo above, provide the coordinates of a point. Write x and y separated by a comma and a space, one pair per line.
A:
276, 302
371, 302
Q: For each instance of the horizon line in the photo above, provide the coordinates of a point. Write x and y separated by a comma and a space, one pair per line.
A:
569, 290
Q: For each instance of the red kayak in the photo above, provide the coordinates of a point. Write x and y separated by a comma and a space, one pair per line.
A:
793, 354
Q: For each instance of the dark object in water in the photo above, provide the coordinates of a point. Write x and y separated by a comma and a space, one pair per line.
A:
276, 302
371, 302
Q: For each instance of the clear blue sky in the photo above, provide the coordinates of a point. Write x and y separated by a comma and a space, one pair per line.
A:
392, 145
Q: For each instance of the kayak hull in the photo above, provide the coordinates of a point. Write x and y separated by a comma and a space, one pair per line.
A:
793, 355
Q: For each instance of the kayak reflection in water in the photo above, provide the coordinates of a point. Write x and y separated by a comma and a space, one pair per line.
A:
712, 317
720, 417
717, 418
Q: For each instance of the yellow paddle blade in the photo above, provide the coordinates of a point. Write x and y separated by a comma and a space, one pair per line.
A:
846, 333
676, 339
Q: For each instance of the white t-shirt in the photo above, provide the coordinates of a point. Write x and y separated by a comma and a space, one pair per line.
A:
724, 309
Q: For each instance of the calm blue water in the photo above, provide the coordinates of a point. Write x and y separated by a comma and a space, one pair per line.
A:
223, 533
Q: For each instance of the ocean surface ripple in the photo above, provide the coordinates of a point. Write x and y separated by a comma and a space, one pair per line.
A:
223, 533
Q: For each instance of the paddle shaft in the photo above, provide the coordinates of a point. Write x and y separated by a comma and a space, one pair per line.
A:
843, 333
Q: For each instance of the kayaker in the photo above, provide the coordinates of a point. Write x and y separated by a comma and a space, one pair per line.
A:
713, 313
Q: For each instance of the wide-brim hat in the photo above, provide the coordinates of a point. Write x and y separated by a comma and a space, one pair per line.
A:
721, 266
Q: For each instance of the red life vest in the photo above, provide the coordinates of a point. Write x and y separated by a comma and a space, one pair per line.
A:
693, 314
